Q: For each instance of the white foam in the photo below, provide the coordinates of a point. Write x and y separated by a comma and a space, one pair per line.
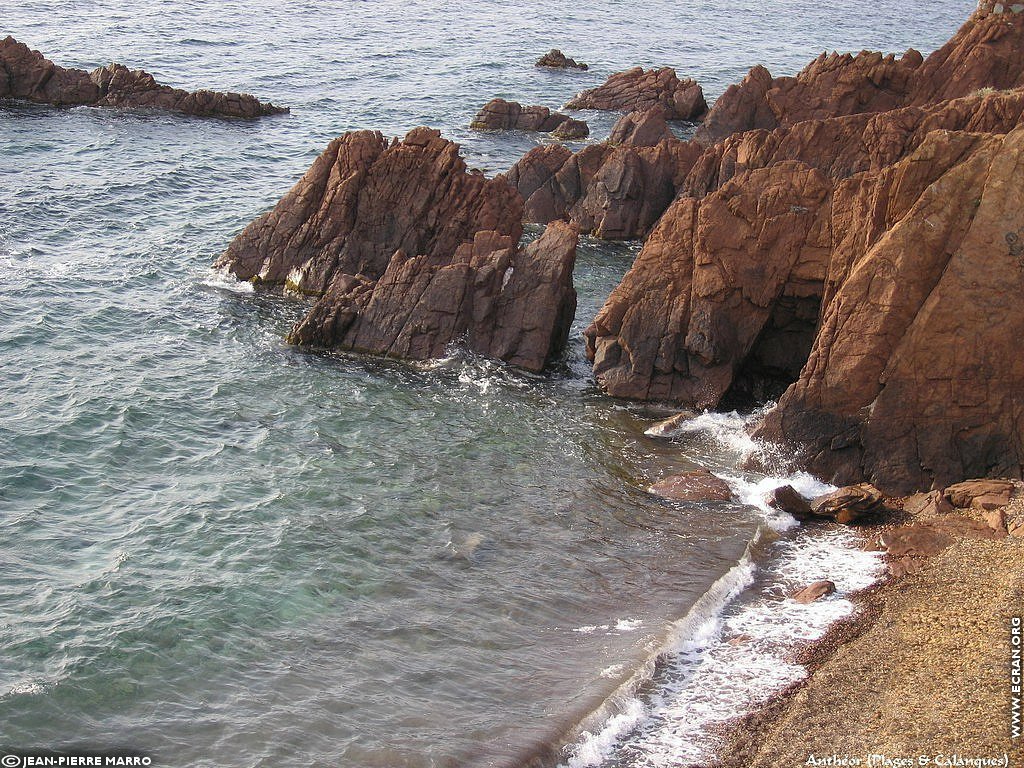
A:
222, 279
628, 625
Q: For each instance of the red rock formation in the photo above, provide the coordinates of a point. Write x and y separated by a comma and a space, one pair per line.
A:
410, 253
508, 303
638, 90
831, 86
694, 485
615, 190
914, 379
555, 59
723, 293
501, 115
28, 76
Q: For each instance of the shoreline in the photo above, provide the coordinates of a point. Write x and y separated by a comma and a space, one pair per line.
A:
932, 663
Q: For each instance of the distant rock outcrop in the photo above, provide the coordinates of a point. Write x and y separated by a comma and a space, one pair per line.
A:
409, 252
27, 75
501, 115
555, 59
638, 89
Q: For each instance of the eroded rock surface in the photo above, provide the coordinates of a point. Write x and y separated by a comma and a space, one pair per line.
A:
555, 59
410, 252
638, 89
28, 76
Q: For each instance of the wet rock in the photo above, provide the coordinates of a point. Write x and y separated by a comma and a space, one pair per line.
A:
642, 129
28, 76
555, 59
814, 591
852, 504
501, 115
409, 253
670, 426
695, 485
639, 89
980, 494
787, 499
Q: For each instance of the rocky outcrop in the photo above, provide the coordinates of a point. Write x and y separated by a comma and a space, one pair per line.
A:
912, 380
501, 115
694, 485
409, 252
513, 304
638, 89
852, 504
723, 294
831, 86
617, 189
28, 76
555, 59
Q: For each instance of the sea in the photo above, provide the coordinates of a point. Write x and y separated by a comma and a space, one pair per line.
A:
219, 550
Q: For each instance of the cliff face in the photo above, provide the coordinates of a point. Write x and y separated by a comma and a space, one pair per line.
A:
27, 75
855, 254
409, 253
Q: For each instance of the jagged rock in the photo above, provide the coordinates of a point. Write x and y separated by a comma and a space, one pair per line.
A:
927, 505
638, 90
670, 426
830, 86
511, 304
723, 294
614, 192
695, 485
980, 494
814, 591
642, 129
913, 380
27, 75
787, 499
852, 504
996, 520
501, 115
410, 253
555, 59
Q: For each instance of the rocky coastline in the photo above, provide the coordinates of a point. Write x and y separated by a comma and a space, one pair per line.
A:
27, 75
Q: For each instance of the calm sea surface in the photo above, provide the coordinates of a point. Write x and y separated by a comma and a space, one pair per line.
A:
225, 552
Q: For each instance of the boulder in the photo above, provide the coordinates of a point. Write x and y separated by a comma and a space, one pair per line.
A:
787, 499
29, 76
814, 591
501, 115
980, 494
555, 59
926, 505
930, 537
695, 485
995, 519
409, 252
670, 426
640, 89
852, 504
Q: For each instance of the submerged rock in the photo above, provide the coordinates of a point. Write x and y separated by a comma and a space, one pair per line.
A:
27, 75
814, 591
640, 89
500, 115
670, 426
555, 59
409, 252
695, 485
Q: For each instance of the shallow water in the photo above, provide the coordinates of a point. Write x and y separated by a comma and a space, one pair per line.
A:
222, 551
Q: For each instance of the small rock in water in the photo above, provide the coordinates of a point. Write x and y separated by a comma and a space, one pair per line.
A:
815, 591
670, 426
695, 485
555, 59
787, 499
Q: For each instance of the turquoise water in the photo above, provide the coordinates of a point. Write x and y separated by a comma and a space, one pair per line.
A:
222, 551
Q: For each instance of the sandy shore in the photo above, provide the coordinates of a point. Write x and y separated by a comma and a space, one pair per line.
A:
919, 676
